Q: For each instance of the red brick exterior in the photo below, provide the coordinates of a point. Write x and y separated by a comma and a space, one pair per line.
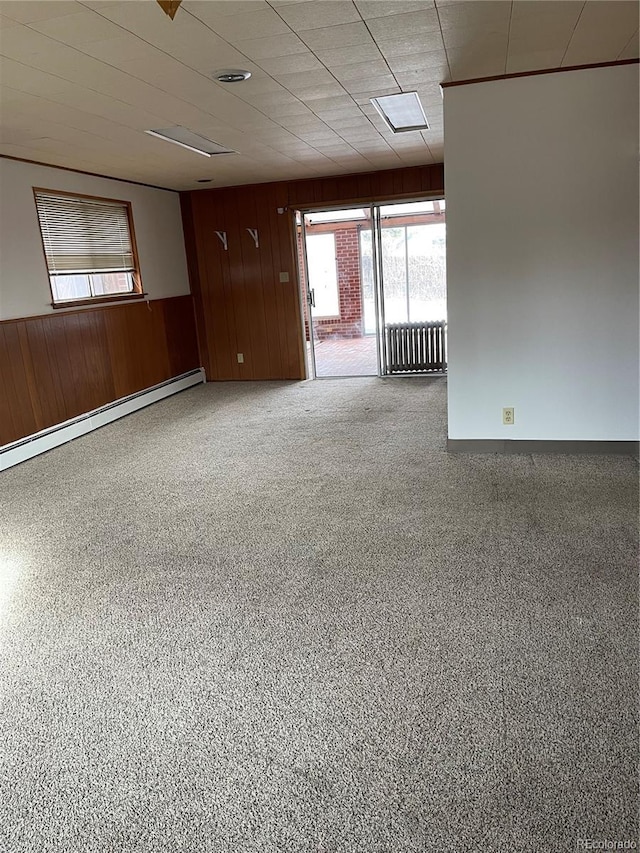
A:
349, 324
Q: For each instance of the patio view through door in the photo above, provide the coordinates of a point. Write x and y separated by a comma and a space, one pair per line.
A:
373, 289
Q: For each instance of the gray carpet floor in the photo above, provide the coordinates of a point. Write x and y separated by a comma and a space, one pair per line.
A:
279, 617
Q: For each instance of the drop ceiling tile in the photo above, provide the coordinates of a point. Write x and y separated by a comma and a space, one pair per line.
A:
411, 45
332, 149
468, 64
310, 94
6, 23
630, 51
336, 102
208, 59
475, 40
141, 19
357, 121
286, 106
319, 137
308, 122
213, 10
419, 159
258, 83
27, 79
21, 42
545, 27
70, 64
533, 60
319, 13
364, 98
328, 38
352, 55
101, 5
107, 108
260, 24
382, 8
604, 28
125, 48
78, 29
334, 117
417, 62
430, 94
297, 82
269, 48
297, 63
357, 135
271, 103
552, 40
399, 26
410, 80
37, 10
361, 71
488, 14
372, 87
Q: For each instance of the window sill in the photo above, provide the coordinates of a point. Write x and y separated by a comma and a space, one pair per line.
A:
99, 300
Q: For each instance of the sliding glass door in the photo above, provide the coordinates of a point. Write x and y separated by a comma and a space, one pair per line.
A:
374, 284
339, 297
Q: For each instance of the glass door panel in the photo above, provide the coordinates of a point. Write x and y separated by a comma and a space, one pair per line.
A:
412, 277
339, 278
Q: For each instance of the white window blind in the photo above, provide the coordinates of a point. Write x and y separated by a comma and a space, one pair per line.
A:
83, 235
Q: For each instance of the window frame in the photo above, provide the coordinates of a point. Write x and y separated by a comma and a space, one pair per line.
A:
338, 313
138, 291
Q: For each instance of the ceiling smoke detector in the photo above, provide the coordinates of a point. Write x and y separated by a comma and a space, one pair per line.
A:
231, 75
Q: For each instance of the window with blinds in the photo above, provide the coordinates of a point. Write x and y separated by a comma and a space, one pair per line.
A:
89, 247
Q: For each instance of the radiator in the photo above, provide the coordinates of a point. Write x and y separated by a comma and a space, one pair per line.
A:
416, 347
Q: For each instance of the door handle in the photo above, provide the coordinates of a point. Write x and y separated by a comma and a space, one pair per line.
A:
312, 297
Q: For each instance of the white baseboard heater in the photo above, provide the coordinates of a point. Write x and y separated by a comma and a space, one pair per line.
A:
32, 445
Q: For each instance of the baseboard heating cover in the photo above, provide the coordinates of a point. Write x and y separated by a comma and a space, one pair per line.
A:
32, 445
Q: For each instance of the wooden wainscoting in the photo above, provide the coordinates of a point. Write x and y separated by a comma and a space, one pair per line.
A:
56, 367
241, 304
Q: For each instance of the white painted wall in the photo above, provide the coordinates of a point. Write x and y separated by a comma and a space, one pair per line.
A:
541, 180
24, 284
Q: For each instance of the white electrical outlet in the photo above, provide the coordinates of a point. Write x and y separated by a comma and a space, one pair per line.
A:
508, 416
240, 358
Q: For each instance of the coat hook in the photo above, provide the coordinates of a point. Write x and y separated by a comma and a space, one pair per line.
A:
222, 236
254, 234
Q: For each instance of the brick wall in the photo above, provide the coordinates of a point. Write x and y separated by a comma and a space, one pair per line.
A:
349, 324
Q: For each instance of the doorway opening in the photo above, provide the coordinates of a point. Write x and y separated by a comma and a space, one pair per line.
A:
373, 289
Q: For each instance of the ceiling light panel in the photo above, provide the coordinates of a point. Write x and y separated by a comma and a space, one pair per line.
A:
402, 113
192, 141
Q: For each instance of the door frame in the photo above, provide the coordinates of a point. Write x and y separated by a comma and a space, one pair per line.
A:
306, 296
374, 206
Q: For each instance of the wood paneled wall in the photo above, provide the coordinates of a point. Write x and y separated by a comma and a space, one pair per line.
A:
57, 366
241, 304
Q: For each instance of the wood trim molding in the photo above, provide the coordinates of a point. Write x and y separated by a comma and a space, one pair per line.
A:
511, 446
84, 172
98, 300
536, 73
74, 308
374, 198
